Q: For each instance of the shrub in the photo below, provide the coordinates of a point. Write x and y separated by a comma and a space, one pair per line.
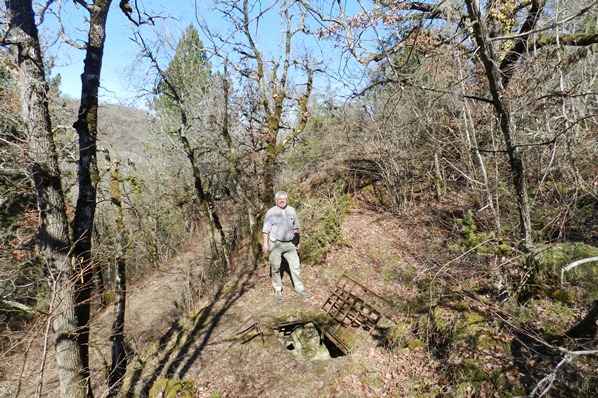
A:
321, 223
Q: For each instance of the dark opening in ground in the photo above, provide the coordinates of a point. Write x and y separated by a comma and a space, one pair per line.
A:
306, 340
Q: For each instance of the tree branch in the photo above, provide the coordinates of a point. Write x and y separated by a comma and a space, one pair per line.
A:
575, 264
84, 4
577, 40
127, 10
546, 383
18, 306
521, 43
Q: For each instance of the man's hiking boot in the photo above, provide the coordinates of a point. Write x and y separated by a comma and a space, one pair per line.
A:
303, 293
278, 295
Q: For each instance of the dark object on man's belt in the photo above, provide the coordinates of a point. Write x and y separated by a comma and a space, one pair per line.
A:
296, 239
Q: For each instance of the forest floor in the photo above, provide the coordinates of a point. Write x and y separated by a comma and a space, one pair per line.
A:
220, 341
220, 360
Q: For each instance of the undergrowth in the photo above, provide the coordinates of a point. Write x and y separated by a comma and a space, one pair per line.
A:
321, 221
504, 343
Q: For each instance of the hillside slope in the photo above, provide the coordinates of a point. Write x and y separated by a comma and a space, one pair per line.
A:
214, 355
439, 337
201, 343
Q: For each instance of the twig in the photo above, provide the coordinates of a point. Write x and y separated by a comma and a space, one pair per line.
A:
46, 339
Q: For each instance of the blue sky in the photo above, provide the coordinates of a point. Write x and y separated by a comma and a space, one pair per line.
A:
119, 53
120, 50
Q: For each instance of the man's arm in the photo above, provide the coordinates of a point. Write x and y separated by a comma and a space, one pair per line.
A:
265, 243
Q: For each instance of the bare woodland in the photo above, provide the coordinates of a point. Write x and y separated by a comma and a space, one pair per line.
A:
467, 129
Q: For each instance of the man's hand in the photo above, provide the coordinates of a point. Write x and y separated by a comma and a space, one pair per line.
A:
265, 249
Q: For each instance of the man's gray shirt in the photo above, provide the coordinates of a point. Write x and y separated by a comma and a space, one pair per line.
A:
280, 225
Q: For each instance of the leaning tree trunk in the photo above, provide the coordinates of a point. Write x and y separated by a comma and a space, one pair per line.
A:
88, 175
503, 112
53, 228
206, 207
216, 234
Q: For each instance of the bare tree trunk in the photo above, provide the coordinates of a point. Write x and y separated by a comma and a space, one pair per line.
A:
88, 175
206, 206
501, 107
53, 230
119, 356
473, 146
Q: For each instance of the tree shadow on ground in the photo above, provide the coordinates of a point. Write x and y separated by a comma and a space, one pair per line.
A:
178, 346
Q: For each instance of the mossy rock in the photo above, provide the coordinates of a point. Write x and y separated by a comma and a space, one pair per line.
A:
472, 380
550, 260
472, 329
472, 238
563, 295
172, 389
469, 325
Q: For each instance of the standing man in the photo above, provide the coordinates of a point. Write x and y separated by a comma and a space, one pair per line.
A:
281, 238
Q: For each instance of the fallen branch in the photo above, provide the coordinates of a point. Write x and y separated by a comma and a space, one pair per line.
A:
546, 383
575, 264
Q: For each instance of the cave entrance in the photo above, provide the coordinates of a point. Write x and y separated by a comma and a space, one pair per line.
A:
352, 313
306, 340
349, 317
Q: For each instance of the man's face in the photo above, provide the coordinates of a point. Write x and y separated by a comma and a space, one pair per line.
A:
281, 202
